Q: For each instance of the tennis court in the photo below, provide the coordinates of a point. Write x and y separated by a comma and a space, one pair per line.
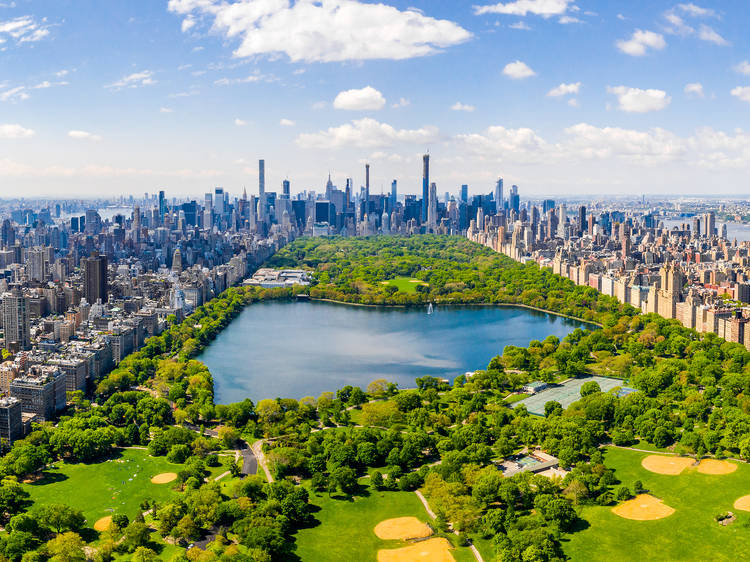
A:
566, 393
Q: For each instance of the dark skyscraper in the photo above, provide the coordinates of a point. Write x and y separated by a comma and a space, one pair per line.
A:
425, 185
465, 193
285, 188
162, 206
394, 193
367, 187
95, 283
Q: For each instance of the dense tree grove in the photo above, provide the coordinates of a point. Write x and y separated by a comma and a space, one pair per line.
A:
445, 439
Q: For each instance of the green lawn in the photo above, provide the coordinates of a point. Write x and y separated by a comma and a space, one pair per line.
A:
689, 534
346, 527
118, 484
405, 284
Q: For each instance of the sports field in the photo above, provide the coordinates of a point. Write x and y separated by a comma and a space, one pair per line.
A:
346, 529
689, 533
116, 485
405, 284
565, 393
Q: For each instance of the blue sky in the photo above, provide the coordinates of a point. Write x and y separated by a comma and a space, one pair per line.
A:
559, 97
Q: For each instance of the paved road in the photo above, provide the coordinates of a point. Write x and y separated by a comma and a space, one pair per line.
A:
249, 462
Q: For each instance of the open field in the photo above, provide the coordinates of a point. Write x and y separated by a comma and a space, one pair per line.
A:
347, 526
690, 533
116, 485
405, 284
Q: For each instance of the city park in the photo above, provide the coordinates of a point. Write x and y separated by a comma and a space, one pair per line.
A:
657, 473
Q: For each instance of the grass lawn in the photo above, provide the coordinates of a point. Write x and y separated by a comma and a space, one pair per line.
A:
405, 284
118, 484
689, 534
346, 526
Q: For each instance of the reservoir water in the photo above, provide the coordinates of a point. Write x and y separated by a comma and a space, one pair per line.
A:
296, 349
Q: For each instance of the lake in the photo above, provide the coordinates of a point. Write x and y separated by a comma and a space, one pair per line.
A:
296, 349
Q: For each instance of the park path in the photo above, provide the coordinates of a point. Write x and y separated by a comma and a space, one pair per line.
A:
431, 513
257, 449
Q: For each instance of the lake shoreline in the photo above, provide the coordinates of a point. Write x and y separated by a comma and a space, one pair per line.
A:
488, 304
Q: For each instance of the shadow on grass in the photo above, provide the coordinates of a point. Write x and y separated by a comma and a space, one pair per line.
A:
49, 477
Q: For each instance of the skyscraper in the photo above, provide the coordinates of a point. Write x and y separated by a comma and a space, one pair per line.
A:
499, 195
394, 194
16, 326
367, 187
465, 193
515, 199
432, 208
425, 185
162, 206
285, 188
95, 284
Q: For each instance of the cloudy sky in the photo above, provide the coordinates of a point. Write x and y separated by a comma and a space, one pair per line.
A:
559, 97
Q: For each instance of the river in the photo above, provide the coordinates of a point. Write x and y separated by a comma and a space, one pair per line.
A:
296, 349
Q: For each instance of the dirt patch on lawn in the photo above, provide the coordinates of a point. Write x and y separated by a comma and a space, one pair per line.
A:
742, 503
713, 466
431, 550
402, 528
666, 465
643, 507
164, 478
103, 523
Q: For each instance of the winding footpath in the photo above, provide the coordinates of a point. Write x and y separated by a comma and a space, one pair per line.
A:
433, 516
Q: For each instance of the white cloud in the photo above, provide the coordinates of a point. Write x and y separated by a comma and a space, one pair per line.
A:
696, 11
706, 33
329, 31
366, 133
742, 92
520, 25
573, 102
635, 100
14, 94
588, 141
458, 106
84, 135
135, 80
518, 70
694, 89
23, 29
569, 19
166, 110
544, 8
402, 102
364, 99
564, 89
239, 122
256, 76
743, 67
286, 123
640, 42
521, 145
62, 73
15, 131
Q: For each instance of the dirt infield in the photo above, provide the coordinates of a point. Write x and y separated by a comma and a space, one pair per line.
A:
164, 478
713, 466
643, 508
666, 465
743, 503
402, 528
431, 550
103, 523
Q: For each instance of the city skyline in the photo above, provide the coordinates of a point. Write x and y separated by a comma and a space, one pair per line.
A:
553, 95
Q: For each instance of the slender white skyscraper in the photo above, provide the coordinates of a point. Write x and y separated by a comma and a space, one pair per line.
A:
432, 207
499, 194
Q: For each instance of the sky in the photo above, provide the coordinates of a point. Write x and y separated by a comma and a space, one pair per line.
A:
561, 97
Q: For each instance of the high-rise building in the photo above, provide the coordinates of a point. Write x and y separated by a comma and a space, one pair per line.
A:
95, 283
432, 207
162, 206
394, 194
465, 193
514, 200
219, 209
425, 185
285, 189
16, 327
367, 187
499, 195
11, 426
